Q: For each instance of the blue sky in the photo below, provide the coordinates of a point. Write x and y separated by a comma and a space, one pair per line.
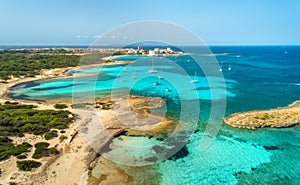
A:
217, 22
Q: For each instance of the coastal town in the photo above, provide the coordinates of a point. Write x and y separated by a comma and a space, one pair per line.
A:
163, 51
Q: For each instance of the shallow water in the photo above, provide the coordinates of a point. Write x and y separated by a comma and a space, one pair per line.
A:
260, 78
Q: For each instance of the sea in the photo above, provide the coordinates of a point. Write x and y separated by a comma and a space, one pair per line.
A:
255, 78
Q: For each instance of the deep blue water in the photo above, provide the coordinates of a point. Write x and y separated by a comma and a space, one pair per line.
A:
261, 77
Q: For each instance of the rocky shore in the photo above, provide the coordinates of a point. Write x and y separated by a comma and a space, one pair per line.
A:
276, 118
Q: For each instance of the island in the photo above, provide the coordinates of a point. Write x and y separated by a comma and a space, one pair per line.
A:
275, 118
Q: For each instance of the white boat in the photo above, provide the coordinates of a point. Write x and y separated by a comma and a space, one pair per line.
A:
168, 90
160, 76
229, 67
152, 70
156, 83
221, 66
195, 80
134, 76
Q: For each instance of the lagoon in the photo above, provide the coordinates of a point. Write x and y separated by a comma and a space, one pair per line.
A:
261, 77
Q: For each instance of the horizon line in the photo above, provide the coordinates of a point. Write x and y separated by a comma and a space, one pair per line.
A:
86, 45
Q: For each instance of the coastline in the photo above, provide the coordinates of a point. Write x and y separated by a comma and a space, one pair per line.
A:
76, 156
47, 74
281, 117
70, 151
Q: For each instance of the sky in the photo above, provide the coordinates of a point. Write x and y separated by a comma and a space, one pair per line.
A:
216, 22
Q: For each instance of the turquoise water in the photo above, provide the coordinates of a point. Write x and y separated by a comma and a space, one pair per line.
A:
128, 57
260, 78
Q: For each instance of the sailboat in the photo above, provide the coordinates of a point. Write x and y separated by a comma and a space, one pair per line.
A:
221, 67
123, 79
195, 80
152, 70
160, 76
229, 67
134, 76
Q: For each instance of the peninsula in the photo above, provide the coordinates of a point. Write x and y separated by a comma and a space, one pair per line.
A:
276, 118
44, 149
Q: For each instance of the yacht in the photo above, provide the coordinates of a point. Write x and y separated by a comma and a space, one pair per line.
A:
195, 80
152, 70
160, 76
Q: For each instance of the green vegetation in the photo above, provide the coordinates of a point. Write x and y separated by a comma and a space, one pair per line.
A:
22, 156
42, 150
16, 119
60, 106
80, 105
28, 63
265, 116
119, 53
50, 135
28, 165
62, 138
104, 105
7, 148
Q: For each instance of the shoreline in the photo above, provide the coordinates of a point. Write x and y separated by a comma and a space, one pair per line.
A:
76, 155
281, 117
47, 74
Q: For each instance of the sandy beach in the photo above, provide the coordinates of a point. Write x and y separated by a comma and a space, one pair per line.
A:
76, 154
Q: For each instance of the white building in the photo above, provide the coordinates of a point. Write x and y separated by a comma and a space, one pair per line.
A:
151, 53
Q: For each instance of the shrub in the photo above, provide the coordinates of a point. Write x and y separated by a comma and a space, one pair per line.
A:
62, 138
28, 165
17, 119
60, 106
78, 106
21, 156
50, 135
5, 140
41, 145
8, 149
42, 150
10, 103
